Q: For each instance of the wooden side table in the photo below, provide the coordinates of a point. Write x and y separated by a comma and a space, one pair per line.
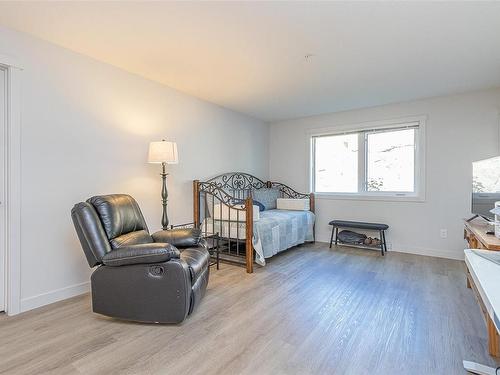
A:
483, 280
483, 276
213, 249
475, 235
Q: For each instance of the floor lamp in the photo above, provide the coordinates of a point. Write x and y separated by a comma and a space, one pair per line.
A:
163, 152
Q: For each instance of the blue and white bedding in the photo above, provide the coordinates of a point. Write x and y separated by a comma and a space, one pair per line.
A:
278, 230
275, 231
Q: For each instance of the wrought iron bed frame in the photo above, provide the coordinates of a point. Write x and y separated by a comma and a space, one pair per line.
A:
233, 192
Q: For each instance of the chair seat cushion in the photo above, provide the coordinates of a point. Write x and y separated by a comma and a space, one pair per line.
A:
197, 259
140, 254
131, 238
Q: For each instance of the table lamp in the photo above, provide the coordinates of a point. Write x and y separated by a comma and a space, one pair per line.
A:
163, 152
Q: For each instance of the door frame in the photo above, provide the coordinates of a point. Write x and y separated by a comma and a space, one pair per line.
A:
3, 180
12, 168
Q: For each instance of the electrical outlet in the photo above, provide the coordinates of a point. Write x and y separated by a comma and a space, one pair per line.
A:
443, 233
389, 245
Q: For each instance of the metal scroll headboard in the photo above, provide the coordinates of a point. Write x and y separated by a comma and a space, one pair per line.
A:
237, 184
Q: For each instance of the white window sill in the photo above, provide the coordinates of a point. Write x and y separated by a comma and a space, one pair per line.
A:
371, 197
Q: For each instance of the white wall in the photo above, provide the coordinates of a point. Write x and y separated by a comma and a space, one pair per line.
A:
85, 131
460, 129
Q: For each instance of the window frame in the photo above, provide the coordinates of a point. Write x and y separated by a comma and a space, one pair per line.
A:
365, 128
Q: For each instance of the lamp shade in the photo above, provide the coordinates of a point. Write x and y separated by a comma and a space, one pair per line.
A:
163, 152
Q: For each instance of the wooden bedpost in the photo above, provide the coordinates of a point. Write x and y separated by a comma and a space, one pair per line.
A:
196, 203
312, 208
249, 234
311, 203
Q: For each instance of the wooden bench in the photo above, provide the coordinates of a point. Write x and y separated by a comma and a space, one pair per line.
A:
381, 228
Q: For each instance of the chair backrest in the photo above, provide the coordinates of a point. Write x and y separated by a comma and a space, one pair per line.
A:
107, 222
90, 232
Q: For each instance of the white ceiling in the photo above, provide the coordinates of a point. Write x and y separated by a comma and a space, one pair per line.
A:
249, 56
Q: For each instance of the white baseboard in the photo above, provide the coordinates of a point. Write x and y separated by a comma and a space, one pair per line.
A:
43, 299
439, 253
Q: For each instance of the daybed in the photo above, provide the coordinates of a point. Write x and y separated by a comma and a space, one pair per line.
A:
225, 206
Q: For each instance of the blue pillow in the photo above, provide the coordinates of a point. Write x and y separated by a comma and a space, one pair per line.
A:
255, 203
267, 196
261, 206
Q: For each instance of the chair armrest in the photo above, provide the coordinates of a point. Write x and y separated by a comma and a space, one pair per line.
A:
181, 237
141, 254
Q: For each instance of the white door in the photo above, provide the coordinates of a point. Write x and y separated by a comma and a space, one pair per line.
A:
3, 120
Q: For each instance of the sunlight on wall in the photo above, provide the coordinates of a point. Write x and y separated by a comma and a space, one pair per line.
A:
135, 121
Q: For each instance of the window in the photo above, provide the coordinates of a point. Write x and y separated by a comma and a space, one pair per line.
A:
382, 160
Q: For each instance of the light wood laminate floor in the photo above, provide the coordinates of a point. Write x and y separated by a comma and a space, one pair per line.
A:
310, 311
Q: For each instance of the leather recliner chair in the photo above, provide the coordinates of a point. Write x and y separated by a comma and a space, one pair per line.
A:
158, 278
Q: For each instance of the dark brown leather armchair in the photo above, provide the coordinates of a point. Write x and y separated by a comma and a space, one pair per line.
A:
159, 278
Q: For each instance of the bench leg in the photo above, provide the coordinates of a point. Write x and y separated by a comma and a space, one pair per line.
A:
382, 242
336, 231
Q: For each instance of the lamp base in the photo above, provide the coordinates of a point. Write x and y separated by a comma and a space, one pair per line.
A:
164, 198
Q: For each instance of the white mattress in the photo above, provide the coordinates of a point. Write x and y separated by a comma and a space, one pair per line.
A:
233, 229
225, 212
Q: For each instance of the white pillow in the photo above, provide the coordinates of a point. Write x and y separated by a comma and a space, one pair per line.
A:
301, 204
229, 213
